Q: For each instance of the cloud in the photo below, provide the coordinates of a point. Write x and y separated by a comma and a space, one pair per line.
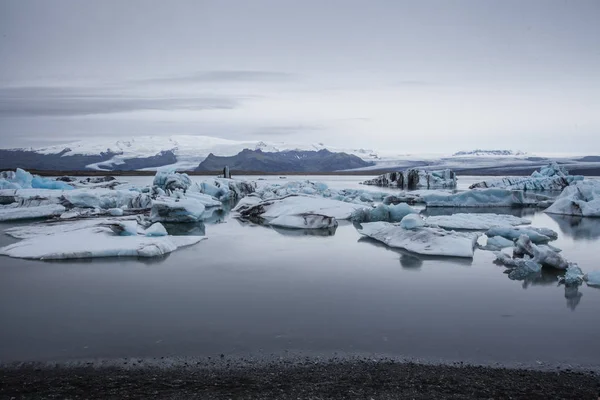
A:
69, 101
286, 129
225, 76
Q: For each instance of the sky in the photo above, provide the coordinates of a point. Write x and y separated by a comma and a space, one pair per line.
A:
413, 76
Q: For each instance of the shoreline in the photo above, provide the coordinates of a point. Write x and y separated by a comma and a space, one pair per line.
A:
303, 378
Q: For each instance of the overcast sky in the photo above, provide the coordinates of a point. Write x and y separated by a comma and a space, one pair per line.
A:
416, 76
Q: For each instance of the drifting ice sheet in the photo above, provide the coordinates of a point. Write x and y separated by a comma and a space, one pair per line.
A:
95, 242
422, 240
551, 177
479, 198
307, 221
9, 213
475, 221
537, 235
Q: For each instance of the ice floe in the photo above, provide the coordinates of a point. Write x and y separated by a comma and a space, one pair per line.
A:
479, 198
306, 221
573, 276
21, 179
496, 243
382, 212
551, 177
176, 210
422, 240
475, 221
415, 178
11, 213
525, 250
581, 199
592, 278
537, 235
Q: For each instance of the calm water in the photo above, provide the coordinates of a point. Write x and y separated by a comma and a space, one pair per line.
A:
250, 289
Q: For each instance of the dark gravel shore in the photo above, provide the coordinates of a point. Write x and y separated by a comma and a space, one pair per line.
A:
308, 380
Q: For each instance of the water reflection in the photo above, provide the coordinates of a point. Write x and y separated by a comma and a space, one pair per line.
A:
573, 296
111, 260
410, 260
185, 229
578, 227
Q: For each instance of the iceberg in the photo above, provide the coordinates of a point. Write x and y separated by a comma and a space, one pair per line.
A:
415, 179
169, 180
21, 179
592, 278
224, 189
124, 228
573, 276
296, 205
93, 242
537, 235
273, 191
496, 243
551, 177
382, 212
581, 199
525, 250
156, 229
479, 198
176, 210
305, 221
412, 221
475, 221
12, 213
422, 240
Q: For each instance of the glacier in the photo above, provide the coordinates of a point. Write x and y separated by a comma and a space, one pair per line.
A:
422, 240
581, 199
551, 177
415, 179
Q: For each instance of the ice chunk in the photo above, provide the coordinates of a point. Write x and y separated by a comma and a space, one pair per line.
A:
156, 229
581, 199
496, 243
543, 255
95, 242
298, 205
305, 221
12, 213
412, 221
551, 177
415, 179
592, 278
537, 235
479, 198
169, 180
21, 179
124, 228
116, 212
176, 210
422, 240
573, 276
382, 212
224, 189
475, 221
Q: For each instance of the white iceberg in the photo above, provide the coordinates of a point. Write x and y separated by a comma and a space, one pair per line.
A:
479, 198
169, 180
537, 235
95, 242
156, 229
382, 212
496, 243
412, 221
306, 221
11, 213
416, 178
581, 199
21, 179
295, 205
422, 240
592, 278
272, 191
475, 221
551, 177
176, 210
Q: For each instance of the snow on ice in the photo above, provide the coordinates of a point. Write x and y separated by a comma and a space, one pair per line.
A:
551, 177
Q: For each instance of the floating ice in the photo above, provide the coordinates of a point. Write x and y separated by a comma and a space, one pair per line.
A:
95, 242
21, 179
496, 243
581, 199
573, 276
224, 189
306, 221
12, 213
156, 229
551, 177
422, 240
592, 278
475, 221
176, 210
415, 179
412, 221
169, 180
271, 191
115, 212
543, 255
295, 205
382, 212
537, 235
124, 228
479, 198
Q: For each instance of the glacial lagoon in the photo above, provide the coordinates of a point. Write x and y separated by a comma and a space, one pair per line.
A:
254, 290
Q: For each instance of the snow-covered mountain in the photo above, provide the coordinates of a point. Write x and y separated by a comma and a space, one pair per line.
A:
489, 153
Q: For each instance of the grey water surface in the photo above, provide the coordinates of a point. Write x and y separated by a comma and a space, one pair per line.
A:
251, 289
